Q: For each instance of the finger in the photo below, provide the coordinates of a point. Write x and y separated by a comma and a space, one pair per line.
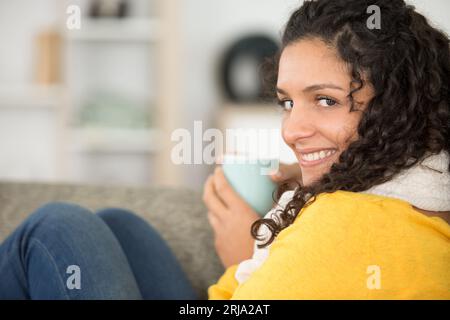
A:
219, 159
211, 199
278, 175
224, 190
214, 221
281, 174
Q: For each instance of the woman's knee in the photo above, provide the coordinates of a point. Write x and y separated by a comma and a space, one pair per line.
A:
59, 225
62, 216
119, 216
123, 219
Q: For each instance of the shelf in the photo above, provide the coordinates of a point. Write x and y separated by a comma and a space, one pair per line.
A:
114, 140
31, 96
116, 30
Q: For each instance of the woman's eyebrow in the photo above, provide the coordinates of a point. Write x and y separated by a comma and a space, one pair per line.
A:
315, 87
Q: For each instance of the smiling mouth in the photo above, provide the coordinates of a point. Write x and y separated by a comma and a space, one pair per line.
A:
316, 157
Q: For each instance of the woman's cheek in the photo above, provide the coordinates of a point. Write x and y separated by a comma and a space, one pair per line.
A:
342, 128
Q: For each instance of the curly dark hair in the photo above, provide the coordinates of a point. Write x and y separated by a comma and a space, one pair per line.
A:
407, 62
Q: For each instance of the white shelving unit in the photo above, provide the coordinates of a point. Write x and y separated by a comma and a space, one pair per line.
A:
31, 96
115, 57
33, 132
117, 30
135, 58
113, 140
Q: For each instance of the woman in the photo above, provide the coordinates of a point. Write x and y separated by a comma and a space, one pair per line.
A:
367, 114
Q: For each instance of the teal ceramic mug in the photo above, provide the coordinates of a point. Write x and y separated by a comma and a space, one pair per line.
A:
250, 178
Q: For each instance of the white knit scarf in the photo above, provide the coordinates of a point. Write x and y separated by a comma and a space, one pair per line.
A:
426, 186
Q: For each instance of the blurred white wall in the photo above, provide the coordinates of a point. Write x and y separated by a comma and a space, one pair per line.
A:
436, 11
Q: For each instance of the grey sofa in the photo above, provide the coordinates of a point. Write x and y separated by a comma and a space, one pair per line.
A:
178, 214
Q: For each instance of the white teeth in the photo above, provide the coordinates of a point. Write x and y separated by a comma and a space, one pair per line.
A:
317, 155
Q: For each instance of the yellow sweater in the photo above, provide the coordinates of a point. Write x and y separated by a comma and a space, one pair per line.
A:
349, 245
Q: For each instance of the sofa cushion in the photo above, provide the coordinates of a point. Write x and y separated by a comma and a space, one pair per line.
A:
178, 214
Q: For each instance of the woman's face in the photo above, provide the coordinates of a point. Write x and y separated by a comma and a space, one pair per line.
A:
313, 86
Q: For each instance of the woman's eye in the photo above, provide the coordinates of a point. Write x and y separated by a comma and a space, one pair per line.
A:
326, 102
286, 104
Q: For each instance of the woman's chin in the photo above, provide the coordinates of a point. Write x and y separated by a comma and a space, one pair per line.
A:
309, 178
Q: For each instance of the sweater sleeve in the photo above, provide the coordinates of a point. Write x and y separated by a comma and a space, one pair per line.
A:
225, 287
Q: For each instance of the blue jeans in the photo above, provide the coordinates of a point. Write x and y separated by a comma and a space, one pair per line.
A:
63, 251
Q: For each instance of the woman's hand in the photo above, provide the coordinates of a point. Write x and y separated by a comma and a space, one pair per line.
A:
231, 219
290, 173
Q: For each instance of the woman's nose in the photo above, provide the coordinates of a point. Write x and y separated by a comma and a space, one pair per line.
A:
298, 124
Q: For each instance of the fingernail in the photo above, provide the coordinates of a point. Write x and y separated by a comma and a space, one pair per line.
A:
219, 159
